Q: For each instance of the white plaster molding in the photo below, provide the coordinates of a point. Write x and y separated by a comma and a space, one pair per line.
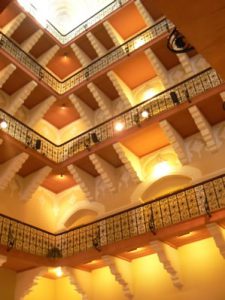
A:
86, 113
131, 162
5, 73
106, 171
9, 169
12, 26
176, 141
85, 181
125, 93
45, 58
26, 281
18, 98
103, 100
144, 13
159, 68
81, 55
222, 95
204, 127
32, 40
32, 182
166, 255
80, 205
3, 259
115, 36
185, 171
186, 63
74, 278
218, 235
37, 112
96, 44
117, 272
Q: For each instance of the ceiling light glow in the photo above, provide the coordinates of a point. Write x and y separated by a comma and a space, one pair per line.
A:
58, 272
161, 169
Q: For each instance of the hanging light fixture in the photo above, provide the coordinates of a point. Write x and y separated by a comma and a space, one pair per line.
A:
177, 42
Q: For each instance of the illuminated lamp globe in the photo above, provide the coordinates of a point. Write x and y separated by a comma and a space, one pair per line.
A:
3, 124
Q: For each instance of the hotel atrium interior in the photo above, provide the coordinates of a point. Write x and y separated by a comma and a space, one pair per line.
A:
112, 142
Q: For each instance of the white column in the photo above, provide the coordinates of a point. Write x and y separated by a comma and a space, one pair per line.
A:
85, 181
26, 281
12, 26
85, 112
96, 44
9, 169
123, 90
176, 141
120, 276
45, 58
144, 13
106, 171
159, 68
6, 73
18, 98
168, 258
32, 40
103, 101
204, 127
81, 55
131, 162
115, 36
32, 182
37, 112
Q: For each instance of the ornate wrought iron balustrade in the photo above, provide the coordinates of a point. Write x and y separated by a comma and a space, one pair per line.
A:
66, 38
61, 87
162, 102
189, 203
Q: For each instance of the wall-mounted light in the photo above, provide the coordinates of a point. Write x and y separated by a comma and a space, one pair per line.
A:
161, 169
119, 126
138, 43
145, 114
3, 124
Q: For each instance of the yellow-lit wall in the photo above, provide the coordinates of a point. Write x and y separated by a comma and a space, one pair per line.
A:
64, 290
202, 271
7, 284
44, 290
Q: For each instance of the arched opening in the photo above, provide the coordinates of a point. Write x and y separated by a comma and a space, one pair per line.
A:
164, 186
80, 217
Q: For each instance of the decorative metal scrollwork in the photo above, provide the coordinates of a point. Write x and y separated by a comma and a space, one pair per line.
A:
177, 42
152, 222
97, 240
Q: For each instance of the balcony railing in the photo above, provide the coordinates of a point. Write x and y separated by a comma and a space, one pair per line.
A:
61, 87
131, 118
66, 38
202, 199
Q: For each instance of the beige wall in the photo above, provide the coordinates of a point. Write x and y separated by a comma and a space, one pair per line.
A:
7, 284
202, 271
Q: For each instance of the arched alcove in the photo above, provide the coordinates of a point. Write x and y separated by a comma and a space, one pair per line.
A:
165, 185
80, 217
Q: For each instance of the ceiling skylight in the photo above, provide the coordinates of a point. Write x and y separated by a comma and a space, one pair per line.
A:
65, 15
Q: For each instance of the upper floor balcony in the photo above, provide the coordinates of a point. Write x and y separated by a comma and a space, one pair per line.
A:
178, 213
63, 87
135, 118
